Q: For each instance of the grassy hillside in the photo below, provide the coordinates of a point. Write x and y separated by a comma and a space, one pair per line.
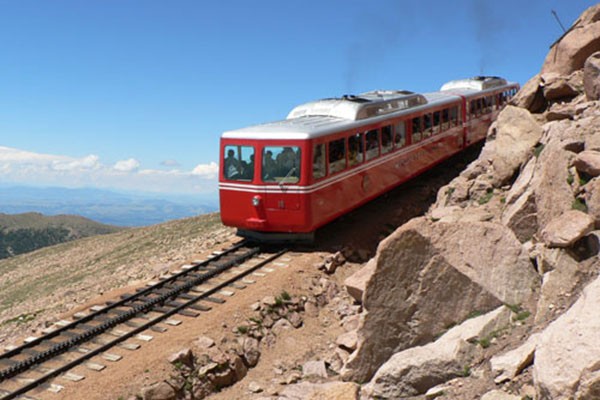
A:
43, 283
22, 233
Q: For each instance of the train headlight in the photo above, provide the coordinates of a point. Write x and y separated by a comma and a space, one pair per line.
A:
256, 201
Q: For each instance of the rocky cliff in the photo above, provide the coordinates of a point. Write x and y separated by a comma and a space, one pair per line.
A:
494, 292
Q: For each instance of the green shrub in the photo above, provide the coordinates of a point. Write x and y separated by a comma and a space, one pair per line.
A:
537, 150
579, 204
286, 296
487, 197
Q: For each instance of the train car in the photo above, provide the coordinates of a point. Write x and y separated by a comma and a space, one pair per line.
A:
285, 179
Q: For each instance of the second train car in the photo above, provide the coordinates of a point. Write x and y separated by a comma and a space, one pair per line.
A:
285, 179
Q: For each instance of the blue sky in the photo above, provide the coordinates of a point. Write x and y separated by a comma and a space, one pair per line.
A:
133, 95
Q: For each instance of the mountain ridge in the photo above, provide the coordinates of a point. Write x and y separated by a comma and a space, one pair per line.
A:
26, 232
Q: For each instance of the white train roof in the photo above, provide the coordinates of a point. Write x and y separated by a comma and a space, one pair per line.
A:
322, 117
477, 83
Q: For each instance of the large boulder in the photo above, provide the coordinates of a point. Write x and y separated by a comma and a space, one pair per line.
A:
591, 77
432, 275
563, 275
570, 52
508, 365
588, 162
509, 144
357, 282
521, 216
566, 229
553, 193
531, 96
557, 87
567, 354
413, 371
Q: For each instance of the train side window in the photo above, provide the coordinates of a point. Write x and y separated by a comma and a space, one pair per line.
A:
416, 130
372, 142
386, 139
436, 122
454, 116
355, 149
318, 161
445, 119
238, 163
281, 164
427, 127
337, 155
400, 136
488, 104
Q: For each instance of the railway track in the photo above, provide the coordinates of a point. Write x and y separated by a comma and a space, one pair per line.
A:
72, 343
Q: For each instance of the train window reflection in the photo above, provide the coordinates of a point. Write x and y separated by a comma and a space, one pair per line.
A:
454, 120
318, 161
426, 125
416, 130
400, 137
239, 163
337, 155
445, 119
436, 122
281, 164
355, 149
372, 139
386, 139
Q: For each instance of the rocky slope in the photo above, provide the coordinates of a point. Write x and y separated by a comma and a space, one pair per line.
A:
494, 292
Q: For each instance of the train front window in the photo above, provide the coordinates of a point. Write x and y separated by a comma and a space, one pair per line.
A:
239, 163
281, 164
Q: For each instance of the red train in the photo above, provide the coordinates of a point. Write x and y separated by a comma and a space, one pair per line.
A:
333, 155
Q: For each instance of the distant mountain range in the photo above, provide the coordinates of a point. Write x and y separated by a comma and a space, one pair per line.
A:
102, 205
27, 232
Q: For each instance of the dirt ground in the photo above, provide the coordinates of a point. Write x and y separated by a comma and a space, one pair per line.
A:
360, 230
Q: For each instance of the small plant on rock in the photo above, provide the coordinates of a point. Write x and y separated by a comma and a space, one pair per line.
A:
466, 371
537, 150
579, 204
486, 197
286, 296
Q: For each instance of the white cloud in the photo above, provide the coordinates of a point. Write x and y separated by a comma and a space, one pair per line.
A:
129, 165
24, 167
206, 171
86, 163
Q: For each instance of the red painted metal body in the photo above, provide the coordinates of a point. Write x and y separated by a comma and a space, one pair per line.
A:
303, 200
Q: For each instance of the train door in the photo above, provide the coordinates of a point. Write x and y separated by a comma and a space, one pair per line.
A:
281, 174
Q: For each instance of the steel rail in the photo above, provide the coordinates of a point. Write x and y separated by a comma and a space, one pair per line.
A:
87, 335
122, 302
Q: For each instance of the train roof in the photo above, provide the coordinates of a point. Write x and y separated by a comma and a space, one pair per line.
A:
322, 117
477, 83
